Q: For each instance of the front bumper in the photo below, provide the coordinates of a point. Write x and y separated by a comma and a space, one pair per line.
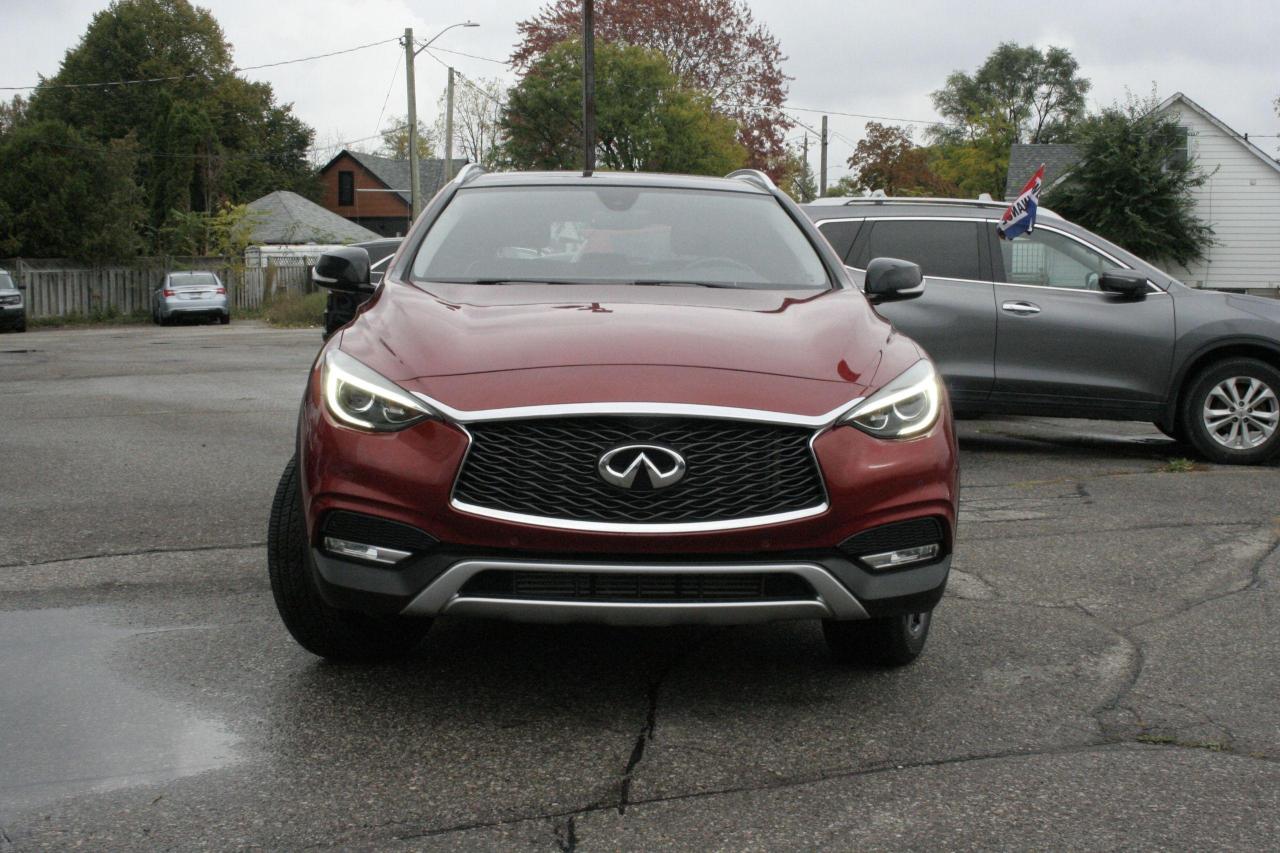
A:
407, 478
829, 586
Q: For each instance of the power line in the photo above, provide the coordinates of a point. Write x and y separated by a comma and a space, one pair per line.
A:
458, 74
235, 70
473, 56
394, 74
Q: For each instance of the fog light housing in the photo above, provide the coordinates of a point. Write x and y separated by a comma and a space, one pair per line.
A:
901, 557
361, 551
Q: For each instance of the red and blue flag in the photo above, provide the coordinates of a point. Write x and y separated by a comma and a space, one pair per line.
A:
1020, 217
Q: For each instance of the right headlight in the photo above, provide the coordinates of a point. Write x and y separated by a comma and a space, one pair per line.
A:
904, 407
362, 398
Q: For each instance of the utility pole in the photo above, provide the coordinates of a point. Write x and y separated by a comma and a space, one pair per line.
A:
410, 51
807, 174
822, 182
588, 88
415, 181
448, 129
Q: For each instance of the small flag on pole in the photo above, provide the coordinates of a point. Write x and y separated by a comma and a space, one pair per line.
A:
1020, 218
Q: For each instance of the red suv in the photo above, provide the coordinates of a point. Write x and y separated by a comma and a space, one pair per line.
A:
620, 398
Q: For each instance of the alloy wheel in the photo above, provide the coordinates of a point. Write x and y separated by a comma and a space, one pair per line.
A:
1241, 412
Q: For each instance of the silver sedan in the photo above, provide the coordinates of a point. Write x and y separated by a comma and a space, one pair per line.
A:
190, 294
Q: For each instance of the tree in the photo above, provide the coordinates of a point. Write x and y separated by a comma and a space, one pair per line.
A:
713, 46
66, 195
1133, 185
12, 113
844, 187
225, 233
205, 136
477, 121
1019, 94
887, 159
797, 176
978, 165
646, 120
1038, 94
395, 139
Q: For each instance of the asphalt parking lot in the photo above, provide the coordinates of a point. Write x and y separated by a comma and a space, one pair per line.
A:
1103, 672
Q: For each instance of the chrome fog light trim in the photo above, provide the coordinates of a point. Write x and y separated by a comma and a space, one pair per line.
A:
901, 557
360, 551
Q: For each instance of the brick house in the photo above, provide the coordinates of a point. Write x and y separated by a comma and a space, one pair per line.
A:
373, 191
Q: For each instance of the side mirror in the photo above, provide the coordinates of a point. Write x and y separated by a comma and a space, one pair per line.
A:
889, 279
345, 269
1123, 282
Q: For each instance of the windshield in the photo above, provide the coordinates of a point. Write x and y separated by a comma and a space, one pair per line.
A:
189, 279
6, 282
611, 234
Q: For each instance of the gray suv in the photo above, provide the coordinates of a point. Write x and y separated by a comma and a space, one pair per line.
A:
1062, 323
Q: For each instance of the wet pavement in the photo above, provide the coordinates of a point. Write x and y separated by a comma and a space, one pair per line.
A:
1103, 672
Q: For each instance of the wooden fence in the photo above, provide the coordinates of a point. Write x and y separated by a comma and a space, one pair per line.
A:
58, 288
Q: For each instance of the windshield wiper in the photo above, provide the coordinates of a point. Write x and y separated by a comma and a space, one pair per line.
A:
672, 282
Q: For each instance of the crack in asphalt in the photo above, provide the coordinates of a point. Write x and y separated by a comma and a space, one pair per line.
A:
139, 553
1105, 744
1254, 584
567, 835
646, 732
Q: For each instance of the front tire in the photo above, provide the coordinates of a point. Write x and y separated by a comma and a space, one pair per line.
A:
326, 631
1231, 412
888, 641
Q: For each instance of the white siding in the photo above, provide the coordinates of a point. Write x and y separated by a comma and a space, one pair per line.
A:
1241, 200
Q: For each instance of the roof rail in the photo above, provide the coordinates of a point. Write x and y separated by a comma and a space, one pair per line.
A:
754, 176
467, 173
967, 202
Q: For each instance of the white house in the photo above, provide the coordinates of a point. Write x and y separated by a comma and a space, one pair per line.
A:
1241, 198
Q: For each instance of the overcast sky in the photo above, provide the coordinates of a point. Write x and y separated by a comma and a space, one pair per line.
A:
855, 56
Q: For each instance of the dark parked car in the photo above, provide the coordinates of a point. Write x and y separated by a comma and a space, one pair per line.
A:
340, 307
13, 308
622, 398
1062, 323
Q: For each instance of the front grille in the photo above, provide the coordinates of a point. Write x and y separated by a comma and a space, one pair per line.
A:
370, 530
548, 467
611, 586
893, 537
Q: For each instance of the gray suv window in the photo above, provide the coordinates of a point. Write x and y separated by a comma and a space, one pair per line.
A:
1048, 259
6, 283
942, 249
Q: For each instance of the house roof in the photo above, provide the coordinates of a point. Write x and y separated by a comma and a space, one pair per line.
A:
394, 174
1024, 159
286, 218
1177, 98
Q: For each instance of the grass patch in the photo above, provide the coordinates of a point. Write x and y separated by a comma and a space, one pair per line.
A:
1180, 466
109, 317
295, 310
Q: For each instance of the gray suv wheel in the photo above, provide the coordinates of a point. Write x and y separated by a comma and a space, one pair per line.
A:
1232, 411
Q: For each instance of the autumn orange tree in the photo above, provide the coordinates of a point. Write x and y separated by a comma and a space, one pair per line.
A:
888, 160
713, 46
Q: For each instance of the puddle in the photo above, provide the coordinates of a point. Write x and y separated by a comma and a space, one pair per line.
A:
71, 725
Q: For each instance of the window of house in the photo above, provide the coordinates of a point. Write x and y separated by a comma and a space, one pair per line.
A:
942, 249
346, 189
1048, 259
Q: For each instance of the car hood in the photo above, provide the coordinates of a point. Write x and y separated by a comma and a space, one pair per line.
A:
442, 330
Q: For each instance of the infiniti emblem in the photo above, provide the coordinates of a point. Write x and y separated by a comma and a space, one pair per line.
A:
622, 466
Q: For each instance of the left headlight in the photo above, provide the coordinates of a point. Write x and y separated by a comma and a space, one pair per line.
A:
360, 397
906, 406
